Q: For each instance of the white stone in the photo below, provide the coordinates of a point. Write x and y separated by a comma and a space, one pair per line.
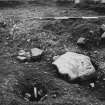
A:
28, 95
103, 27
21, 52
21, 58
75, 65
35, 92
103, 36
81, 41
36, 52
92, 85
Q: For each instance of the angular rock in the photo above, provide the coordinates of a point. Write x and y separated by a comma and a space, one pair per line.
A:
103, 27
75, 66
92, 85
81, 41
36, 53
103, 36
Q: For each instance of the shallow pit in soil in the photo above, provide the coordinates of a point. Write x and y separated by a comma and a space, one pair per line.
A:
31, 93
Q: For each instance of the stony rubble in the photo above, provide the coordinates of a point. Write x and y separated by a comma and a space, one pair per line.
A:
75, 66
35, 95
33, 54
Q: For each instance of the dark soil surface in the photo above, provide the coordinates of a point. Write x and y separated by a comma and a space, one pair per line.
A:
55, 37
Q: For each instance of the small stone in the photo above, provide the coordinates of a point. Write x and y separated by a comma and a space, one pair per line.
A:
92, 85
31, 55
21, 58
91, 32
14, 62
7, 38
81, 41
103, 36
46, 72
21, 52
54, 96
3, 24
27, 96
35, 52
26, 63
28, 40
103, 27
35, 92
95, 52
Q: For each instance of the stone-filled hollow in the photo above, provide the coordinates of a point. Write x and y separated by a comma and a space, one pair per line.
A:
28, 93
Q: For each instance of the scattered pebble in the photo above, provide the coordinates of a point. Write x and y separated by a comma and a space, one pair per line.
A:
30, 55
81, 41
26, 63
91, 32
35, 52
92, 85
55, 57
35, 92
21, 53
28, 40
14, 62
27, 96
21, 58
103, 36
95, 52
54, 96
103, 27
